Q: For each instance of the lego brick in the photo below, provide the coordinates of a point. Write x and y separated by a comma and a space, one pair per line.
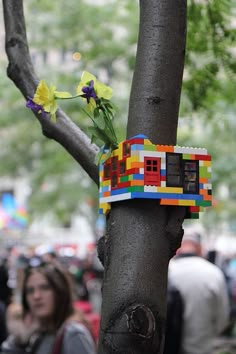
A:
205, 163
115, 198
147, 142
137, 182
194, 216
194, 209
163, 183
136, 189
136, 147
189, 150
204, 203
163, 172
145, 195
137, 164
150, 147
152, 189
203, 157
132, 171
163, 179
124, 178
123, 184
186, 157
203, 172
106, 188
169, 190
185, 202
141, 171
151, 154
138, 176
106, 194
169, 202
165, 148
118, 191
203, 180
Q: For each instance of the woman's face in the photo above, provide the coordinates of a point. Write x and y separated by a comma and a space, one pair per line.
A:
40, 297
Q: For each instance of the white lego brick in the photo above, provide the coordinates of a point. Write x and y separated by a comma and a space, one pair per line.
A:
152, 189
115, 198
207, 186
141, 171
163, 165
151, 154
190, 150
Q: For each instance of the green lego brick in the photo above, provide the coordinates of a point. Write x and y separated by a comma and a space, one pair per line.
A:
136, 189
203, 172
194, 216
124, 178
186, 156
150, 148
203, 203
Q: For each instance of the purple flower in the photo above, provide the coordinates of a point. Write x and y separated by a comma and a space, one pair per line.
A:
89, 91
35, 107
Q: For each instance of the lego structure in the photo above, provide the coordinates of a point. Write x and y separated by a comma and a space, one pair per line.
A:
174, 175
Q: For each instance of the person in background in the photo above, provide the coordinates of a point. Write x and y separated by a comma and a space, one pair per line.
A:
50, 323
203, 289
5, 298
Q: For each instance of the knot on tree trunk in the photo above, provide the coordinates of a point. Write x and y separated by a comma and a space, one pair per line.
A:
134, 328
141, 321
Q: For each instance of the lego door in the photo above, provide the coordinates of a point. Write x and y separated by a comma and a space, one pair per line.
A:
152, 171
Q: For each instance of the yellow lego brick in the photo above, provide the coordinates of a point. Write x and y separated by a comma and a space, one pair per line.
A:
185, 202
106, 207
207, 163
129, 162
106, 183
169, 190
147, 142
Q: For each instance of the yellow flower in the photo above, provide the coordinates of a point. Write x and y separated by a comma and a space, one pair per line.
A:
101, 90
46, 96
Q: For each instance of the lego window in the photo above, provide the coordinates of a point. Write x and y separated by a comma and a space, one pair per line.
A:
151, 165
114, 181
173, 170
122, 167
107, 170
114, 163
126, 149
190, 172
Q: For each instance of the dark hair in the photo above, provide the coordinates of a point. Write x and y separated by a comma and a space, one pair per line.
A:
61, 286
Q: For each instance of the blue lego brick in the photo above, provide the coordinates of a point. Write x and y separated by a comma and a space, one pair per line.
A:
105, 188
163, 172
155, 195
138, 176
149, 195
119, 191
136, 147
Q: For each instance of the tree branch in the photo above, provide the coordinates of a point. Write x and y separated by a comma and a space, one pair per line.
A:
20, 70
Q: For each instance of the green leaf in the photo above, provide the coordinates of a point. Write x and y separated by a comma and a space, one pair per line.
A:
100, 122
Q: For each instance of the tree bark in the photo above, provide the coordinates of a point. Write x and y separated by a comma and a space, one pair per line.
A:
142, 236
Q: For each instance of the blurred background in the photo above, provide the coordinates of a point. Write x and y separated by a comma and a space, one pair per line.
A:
47, 203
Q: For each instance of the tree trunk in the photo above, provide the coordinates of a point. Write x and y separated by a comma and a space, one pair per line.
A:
141, 235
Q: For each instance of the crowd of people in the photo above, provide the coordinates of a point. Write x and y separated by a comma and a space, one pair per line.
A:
52, 303
51, 307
